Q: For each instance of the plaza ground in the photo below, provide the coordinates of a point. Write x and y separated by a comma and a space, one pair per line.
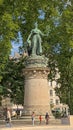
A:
30, 127
21, 125
27, 125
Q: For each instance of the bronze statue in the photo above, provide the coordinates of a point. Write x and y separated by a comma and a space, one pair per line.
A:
34, 40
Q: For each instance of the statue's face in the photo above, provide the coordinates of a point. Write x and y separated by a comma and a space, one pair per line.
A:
36, 25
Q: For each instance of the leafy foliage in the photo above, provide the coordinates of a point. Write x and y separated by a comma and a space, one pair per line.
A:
13, 81
54, 17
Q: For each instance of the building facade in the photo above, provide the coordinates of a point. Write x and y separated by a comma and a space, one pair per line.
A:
55, 103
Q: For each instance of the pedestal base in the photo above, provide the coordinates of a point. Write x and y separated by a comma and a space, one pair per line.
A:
36, 96
39, 110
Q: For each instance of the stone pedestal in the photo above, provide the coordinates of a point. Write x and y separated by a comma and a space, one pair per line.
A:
36, 89
71, 120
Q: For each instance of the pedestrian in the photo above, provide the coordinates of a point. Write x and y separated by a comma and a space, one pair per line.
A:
5, 113
40, 118
33, 118
18, 113
47, 118
8, 118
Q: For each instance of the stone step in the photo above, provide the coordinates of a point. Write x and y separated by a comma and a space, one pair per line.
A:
29, 120
26, 122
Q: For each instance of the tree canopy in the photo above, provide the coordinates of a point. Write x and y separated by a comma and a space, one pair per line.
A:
13, 81
54, 17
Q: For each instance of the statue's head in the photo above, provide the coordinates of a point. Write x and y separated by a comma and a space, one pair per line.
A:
36, 25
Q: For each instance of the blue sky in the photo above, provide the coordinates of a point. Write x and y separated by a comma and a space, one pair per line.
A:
16, 45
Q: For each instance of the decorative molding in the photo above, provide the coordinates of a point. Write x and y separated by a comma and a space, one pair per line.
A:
36, 61
36, 73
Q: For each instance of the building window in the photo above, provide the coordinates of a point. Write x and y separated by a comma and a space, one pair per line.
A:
57, 101
51, 92
50, 83
51, 101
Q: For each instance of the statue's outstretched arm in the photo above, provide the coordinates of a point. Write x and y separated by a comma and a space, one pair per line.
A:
29, 37
42, 34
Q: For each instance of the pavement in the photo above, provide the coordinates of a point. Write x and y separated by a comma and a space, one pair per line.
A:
22, 125
30, 127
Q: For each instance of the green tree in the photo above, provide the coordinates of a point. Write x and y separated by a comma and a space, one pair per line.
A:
13, 81
71, 86
53, 16
8, 31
